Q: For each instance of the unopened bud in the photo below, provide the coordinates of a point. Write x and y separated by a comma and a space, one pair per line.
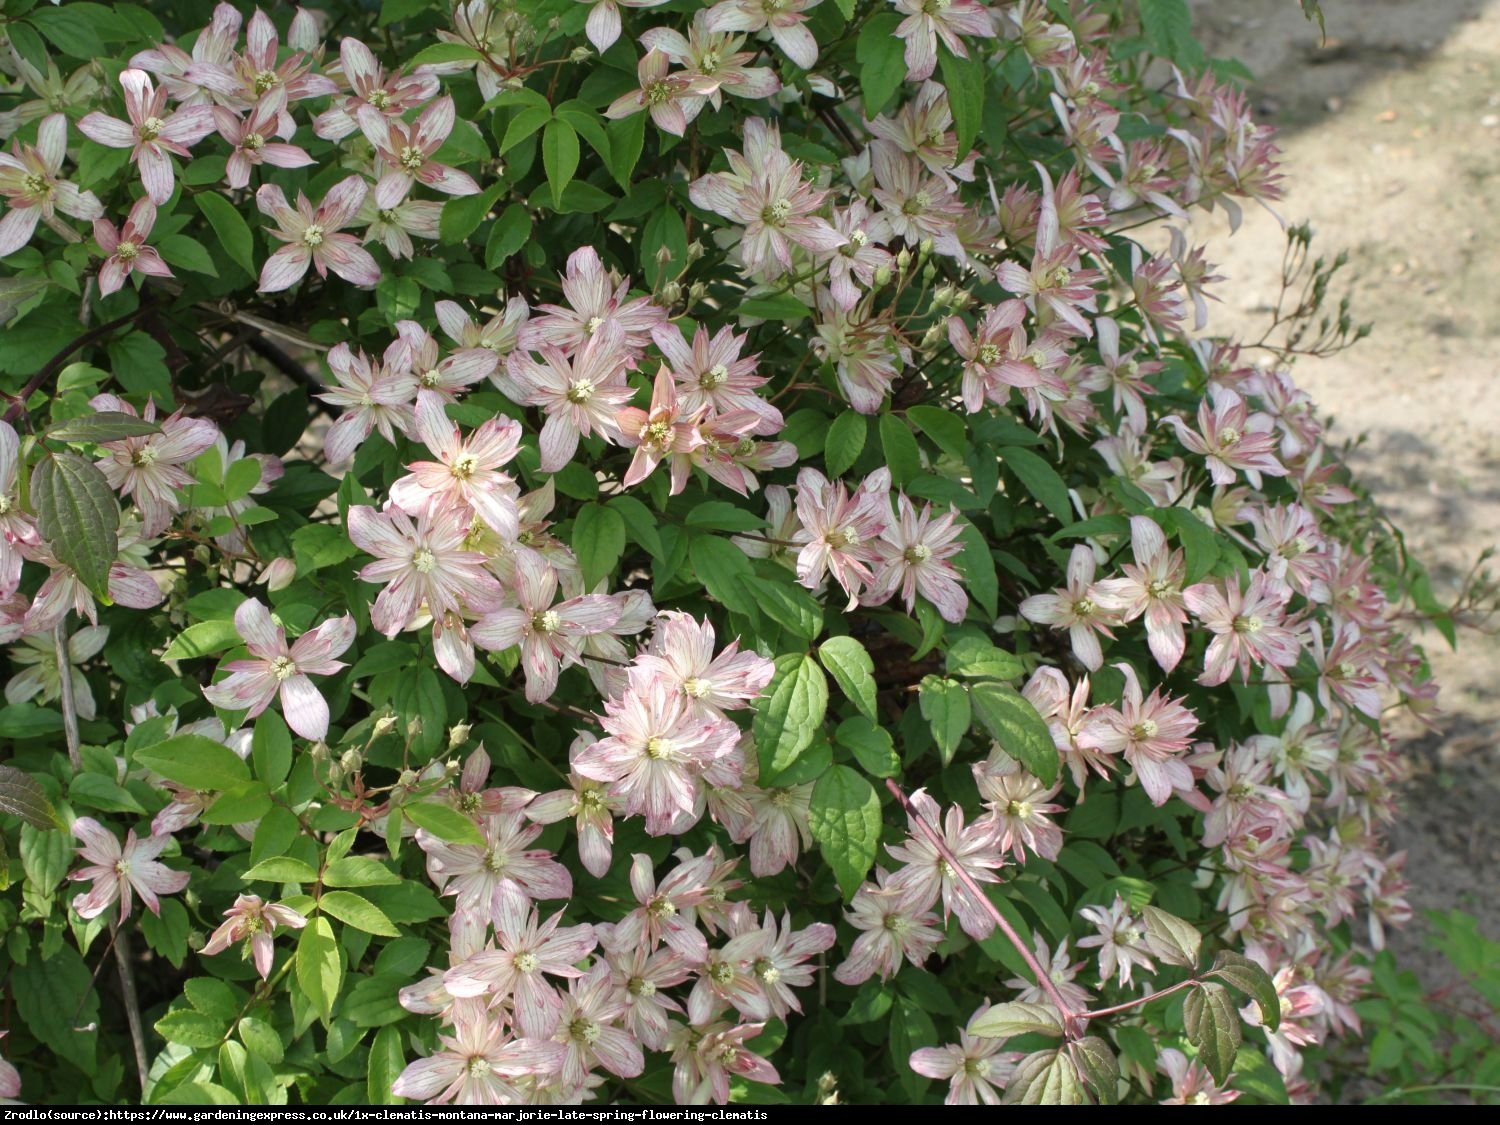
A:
458, 734
351, 760
903, 259
202, 555
883, 276
384, 725
278, 574
934, 330
580, 54
319, 753
664, 255
695, 250
671, 293
697, 291
407, 779
414, 727
929, 272
924, 247
452, 766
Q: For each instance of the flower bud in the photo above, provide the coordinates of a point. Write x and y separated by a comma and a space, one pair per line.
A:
671, 293
408, 779
695, 250
458, 734
697, 291
384, 725
414, 727
903, 259
580, 54
351, 761
278, 574
883, 276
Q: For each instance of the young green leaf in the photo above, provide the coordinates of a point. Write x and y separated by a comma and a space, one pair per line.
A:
945, 706
358, 912
789, 714
78, 515
1213, 1027
443, 821
196, 762
845, 821
1015, 724
320, 965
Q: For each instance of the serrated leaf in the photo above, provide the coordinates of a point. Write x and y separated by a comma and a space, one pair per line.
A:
1243, 974
598, 541
1213, 1027
443, 821
845, 821
57, 1004
281, 869
358, 912
1099, 1068
233, 232
1168, 26
845, 442
791, 607
101, 426
1015, 724
320, 965
789, 714
78, 515
1172, 940
719, 565
853, 670
1045, 1078
196, 762
358, 871
945, 705
1041, 480
191, 1029
240, 804
1006, 1021
872, 746
23, 796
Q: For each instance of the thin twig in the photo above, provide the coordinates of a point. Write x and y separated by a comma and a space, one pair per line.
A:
132, 1004
65, 688
55, 364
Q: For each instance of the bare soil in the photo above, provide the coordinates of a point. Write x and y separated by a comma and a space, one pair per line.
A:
1391, 138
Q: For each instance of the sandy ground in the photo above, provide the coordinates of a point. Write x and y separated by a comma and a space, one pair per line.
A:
1391, 135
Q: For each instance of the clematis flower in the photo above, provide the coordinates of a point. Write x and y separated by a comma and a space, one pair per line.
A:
673, 100
716, 56
149, 468
424, 564
592, 809
314, 237
663, 430
839, 531
466, 474
1152, 587
500, 334
1191, 1082
125, 249
1149, 732
32, 185
706, 1057
243, 79
279, 669
783, 20
1084, 607
975, 1068
170, 63
17, 527
927, 21
1231, 438
580, 396
1121, 941
780, 826
894, 926
913, 556
681, 655
928, 875
451, 375
252, 919
479, 1064
1019, 805
376, 398
712, 375
152, 134
862, 256
993, 356
395, 227
117, 872
39, 674
603, 25
1246, 624
407, 150
505, 869
590, 1010
596, 297
250, 137
388, 94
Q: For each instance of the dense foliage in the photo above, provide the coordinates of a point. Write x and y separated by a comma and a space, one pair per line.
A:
665, 550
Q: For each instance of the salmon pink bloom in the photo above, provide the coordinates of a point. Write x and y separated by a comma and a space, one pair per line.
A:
31, 184
662, 431
1246, 624
117, 872
407, 150
152, 134
913, 556
388, 94
125, 249
839, 532
1084, 607
580, 396
479, 1064
253, 920
466, 473
426, 564
279, 669
1150, 732
149, 468
783, 20
251, 138
927, 21
375, 397
681, 655
548, 635
893, 925
975, 1068
314, 237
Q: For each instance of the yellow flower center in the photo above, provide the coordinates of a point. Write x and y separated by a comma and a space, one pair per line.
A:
151, 128
127, 251
412, 158
423, 560
312, 237
254, 142
580, 391
265, 79
283, 668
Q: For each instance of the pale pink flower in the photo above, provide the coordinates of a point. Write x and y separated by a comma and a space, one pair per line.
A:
251, 138
783, 20
500, 334
17, 526
1019, 806
314, 237
375, 397
31, 183
681, 655
664, 430
279, 669
673, 100
1295, 548
596, 297
642, 976
913, 556
923, 127
867, 352
839, 532
712, 375
586, 1028
125, 250
466, 474
927, 874
37, 671
395, 227
992, 355
716, 56
1231, 438
706, 1057
1084, 607
451, 375
129, 584
1121, 940
862, 256
975, 1068
780, 827
764, 193
505, 869
579, 397
1150, 732
426, 564
1191, 1082
548, 635
530, 951
10, 1078
478, 1065
665, 911
407, 150
656, 750
1246, 624
781, 962
369, 84
253, 920
149, 468
1152, 587
728, 979
1061, 970
593, 811
241, 80
116, 871
917, 204
894, 926
927, 21
152, 134
214, 44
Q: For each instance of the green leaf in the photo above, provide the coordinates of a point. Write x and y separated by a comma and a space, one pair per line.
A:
196, 762
167, 932
358, 871
188, 254
780, 306
1200, 543
1241, 973
206, 638
443, 821
559, 156
21, 795
719, 565
598, 541
386, 1062
1168, 25
664, 237
57, 1004
46, 856
139, 364
1045, 1078
944, 427
213, 997
281, 869
627, 137
73, 30
358, 912
27, 720
1041, 480
720, 515
191, 1029
945, 706
965, 80
320, 965
872, 746
99, 792
902, 454
101, 426
232, 230
241, 804
789, 714
1097, 1063
461, 217
853, 670
846, 440
882, 66
976, 659
845, 821
1006, 1021
1015, 724
1172, 940
846, 8
791, 607
242, 476
511, 231
79, 517
271, 749
1213, 1027
261, 1040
